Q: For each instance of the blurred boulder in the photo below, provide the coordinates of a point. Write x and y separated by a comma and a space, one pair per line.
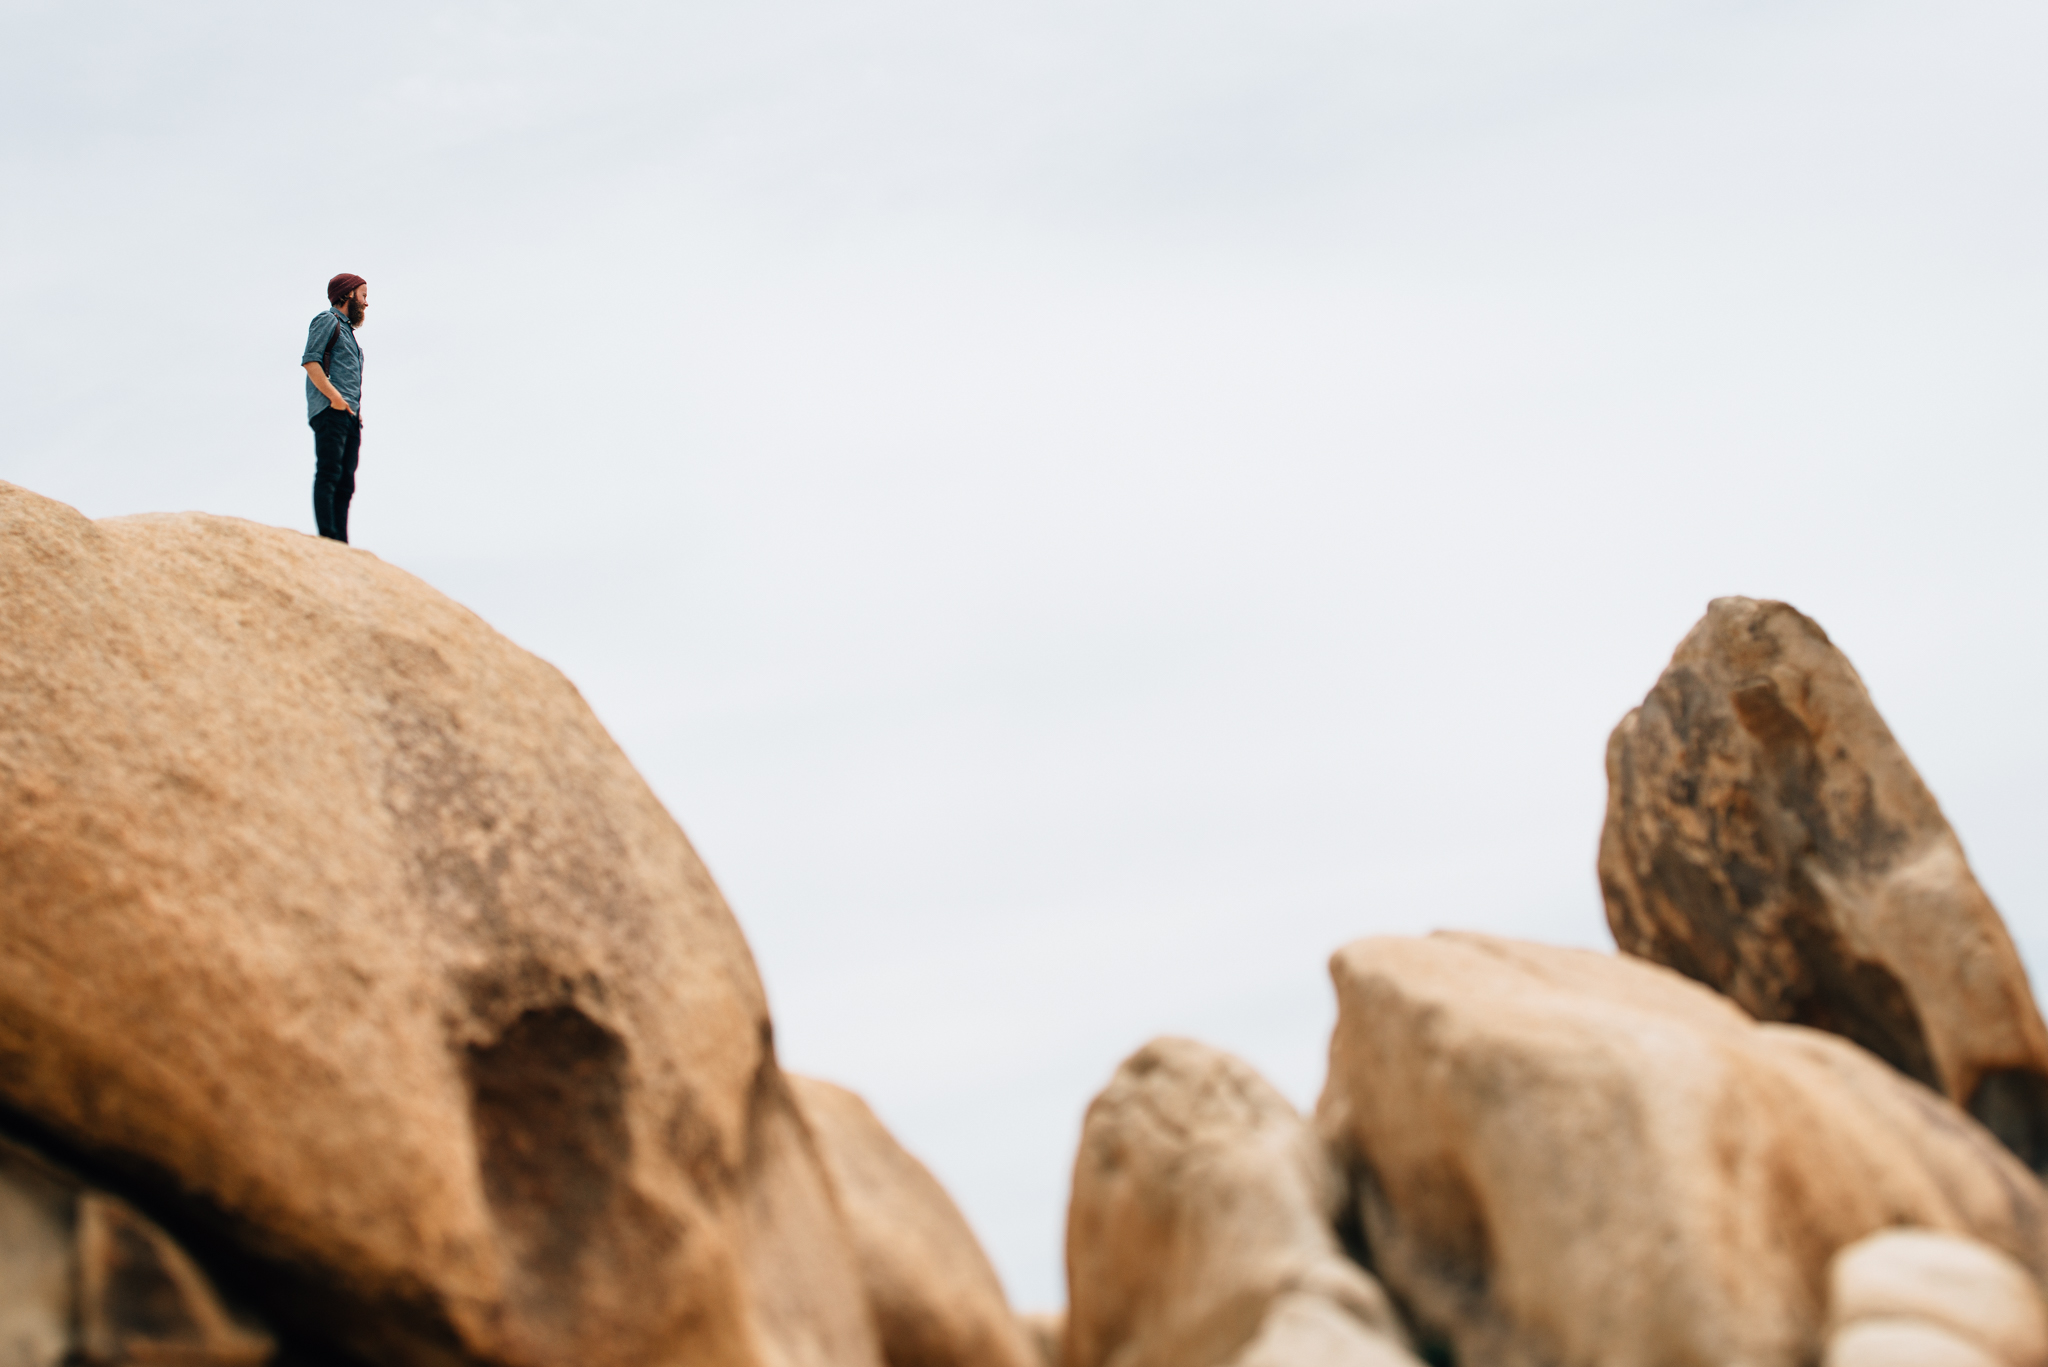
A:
1201, 1228
337, 927
1561, 1157
935, 1298
87, 1281
1936, 1296
1767, 836
1047, 1333
1903, 1343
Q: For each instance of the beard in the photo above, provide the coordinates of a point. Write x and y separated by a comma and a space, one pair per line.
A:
355, 314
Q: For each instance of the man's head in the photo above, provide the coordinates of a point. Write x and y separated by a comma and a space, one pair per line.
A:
352, 293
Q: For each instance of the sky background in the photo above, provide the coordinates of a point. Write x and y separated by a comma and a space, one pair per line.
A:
1082, 509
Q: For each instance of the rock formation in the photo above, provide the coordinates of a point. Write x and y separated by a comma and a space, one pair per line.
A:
936, 1300
1912, 1298
1200, 1229
85, 1279
352, 981
335, 927
1904, 1344
1047, 1334
1766, 835
1567, 1157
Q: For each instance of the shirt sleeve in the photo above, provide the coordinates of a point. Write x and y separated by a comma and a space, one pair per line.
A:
323, 327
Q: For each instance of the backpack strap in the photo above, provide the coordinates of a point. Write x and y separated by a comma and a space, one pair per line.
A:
327, 356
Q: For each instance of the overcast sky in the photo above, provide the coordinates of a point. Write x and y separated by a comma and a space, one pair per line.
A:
1082, 509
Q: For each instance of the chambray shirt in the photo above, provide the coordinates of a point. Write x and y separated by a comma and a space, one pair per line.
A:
344, 368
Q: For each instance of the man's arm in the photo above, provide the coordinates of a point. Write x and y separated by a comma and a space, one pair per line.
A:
325, 386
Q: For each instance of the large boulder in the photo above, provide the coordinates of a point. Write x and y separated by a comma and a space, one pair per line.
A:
338, 931
1915, 1298
936, 1299
1201, 1229
1766, 835
1567, 1158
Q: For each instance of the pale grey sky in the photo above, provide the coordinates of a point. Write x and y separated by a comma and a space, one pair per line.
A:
1081, 509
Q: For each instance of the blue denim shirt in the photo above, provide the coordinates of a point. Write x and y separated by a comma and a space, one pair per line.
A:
344, 368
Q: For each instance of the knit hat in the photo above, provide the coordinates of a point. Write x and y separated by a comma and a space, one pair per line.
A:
342, 286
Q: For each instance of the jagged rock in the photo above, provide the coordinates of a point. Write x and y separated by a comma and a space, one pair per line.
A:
1932, 1295
934, 1295
87, 1281
1567, 1158
335, 926
1766, 835
1201, 1228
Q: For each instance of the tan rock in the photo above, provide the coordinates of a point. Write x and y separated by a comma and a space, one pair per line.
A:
38, 1261
337, 923
1317, 1329
86, 1279
1903, 1343
1567, 1158
1200, 1229
1766, 835
1047, 1333
935, 1298
1940, 1284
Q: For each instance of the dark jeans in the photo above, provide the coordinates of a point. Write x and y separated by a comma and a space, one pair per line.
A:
337, 439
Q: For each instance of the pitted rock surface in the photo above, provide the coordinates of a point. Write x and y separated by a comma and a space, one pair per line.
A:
336, 921
1767, 835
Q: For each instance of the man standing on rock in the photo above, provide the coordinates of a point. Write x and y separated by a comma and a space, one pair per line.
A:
334, 399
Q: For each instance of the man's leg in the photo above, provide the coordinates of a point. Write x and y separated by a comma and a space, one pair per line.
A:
329, 439
345, 488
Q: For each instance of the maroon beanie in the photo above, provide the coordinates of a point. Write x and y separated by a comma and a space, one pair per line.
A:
342, 286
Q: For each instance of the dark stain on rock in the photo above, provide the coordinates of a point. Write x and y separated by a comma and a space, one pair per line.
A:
2012, 1103
713, 1168
1751, 883
443, 801
1436, 1273
724, 1166
140, 1295
1443, 1214
479, 854
1688, 706
410, 659
493, 998
2024, 1202
1863, 841
1850, 996
548, 1104
1764, 715
1702, 943
771, 1105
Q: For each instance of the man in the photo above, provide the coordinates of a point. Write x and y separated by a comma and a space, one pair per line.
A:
334, 400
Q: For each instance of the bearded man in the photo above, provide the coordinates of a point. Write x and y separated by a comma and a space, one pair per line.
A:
334, 399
